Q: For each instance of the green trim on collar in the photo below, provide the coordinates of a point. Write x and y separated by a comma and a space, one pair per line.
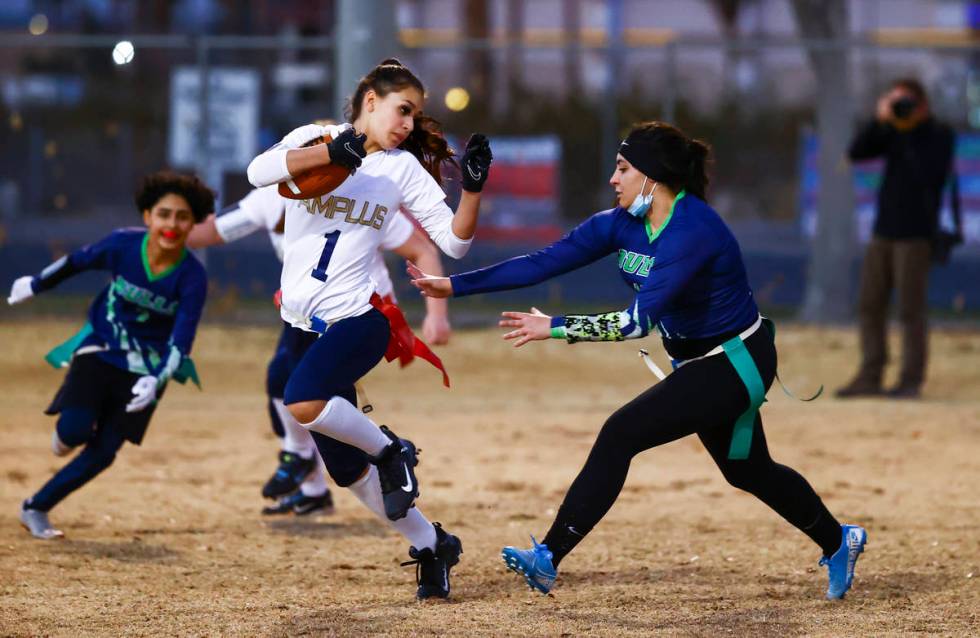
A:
146, 261
653, 234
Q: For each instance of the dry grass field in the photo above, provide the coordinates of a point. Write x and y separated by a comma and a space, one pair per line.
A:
169, 541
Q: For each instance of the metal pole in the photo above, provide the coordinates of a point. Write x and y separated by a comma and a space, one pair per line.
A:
609, 114
366, 33
670, 90
206, 170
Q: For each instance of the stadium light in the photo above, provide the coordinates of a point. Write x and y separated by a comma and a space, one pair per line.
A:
38, 24
457, 98
123, 52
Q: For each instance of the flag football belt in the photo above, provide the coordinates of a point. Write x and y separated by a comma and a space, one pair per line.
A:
402, 342
61, 355
748, 372
312, 323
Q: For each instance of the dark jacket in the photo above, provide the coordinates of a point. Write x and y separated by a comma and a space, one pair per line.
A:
917, 165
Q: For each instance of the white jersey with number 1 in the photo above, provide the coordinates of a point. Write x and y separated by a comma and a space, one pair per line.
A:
263, 209
331, 241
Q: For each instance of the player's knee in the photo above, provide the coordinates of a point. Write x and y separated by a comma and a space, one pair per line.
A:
306, 412
75, 426
616, 435
740, 476
276, 377
616, 425
99, 459
347, 474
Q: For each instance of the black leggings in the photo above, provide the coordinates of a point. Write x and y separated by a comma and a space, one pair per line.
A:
703, 397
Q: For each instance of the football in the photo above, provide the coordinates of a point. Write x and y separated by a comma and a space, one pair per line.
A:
314, 182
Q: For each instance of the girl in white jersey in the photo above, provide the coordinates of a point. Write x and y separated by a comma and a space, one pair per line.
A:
328, 246
298, 481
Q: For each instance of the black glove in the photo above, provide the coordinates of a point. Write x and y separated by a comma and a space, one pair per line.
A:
476, 163
347, 149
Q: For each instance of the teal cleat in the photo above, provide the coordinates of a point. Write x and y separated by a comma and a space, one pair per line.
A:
840, 566
534, 564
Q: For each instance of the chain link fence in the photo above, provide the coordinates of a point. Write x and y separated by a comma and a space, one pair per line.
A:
78, 129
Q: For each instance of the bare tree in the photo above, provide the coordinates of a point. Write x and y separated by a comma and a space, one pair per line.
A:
828, 293
514, 61
476, 25
727, 12
571, 27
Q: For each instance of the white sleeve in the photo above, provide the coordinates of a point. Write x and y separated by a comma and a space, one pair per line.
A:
397, 231
278, 245
425, 201
260, 209
270, 167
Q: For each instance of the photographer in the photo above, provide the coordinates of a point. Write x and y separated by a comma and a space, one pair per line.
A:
918, 152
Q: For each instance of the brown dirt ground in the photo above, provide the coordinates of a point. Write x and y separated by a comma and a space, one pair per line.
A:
168, 541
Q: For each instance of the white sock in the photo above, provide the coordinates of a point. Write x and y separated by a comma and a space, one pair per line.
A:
315, 484
342, 421
297, 439
415, 527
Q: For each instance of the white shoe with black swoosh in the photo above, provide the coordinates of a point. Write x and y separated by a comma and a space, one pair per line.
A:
396, 472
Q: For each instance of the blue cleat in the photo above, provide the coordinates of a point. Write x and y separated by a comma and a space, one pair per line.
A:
534, 564
840, 566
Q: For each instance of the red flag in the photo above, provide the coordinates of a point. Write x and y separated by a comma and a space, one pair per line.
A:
403, 344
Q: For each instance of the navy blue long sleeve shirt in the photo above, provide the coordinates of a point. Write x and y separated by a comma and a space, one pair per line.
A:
141, 322
688, 276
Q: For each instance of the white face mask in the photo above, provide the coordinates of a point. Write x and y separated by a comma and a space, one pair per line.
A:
641, 203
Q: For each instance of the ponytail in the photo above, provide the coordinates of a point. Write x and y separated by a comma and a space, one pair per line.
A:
426, 142
665, 154
697, 176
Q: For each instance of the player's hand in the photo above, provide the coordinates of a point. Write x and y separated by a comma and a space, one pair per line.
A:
476, 162
144, 393
300, 137
347, 149
21, 290
436, 329
883, 110
437, 287
529, 326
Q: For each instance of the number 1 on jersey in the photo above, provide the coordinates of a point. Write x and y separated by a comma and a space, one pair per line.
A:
320, 272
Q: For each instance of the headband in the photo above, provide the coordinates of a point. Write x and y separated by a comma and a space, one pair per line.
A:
639, 152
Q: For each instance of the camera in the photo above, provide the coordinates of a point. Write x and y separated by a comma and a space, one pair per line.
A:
903, 107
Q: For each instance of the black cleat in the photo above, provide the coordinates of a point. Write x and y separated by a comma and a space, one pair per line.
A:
301, 505
432, 567
396, 472
904, 391
859, 388
292, 470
